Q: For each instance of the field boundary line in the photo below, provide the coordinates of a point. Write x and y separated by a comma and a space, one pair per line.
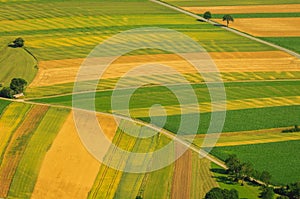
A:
226, 28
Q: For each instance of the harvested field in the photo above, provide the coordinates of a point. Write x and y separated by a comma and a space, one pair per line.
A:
16, 147
182, 178
64, 71
246, 9
68, 169
267, 27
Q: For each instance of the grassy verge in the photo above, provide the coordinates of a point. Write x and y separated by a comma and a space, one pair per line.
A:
248, 191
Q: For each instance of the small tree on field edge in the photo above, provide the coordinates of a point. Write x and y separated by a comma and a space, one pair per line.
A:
228, 18
207, 15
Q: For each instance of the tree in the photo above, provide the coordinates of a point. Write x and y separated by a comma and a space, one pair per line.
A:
266, 177
233, 164
207, 15
6, 92
246, 170
230, 194
282, 197
214, 193
19, 42
295, 190
228, 18
268, 193
139, 197
18, 85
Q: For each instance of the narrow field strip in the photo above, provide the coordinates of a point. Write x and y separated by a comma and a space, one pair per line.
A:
3, 105
10, 120
158, 183
205, 107
245, 9
108, 179
202, 178
182, 178
17, 146
130, 183
64, 71
28, 169
247, 137
68, 170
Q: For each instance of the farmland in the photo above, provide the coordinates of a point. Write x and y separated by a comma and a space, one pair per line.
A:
43, 156
278, 158
15, 62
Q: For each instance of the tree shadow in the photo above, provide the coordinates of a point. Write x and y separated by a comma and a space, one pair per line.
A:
217, 170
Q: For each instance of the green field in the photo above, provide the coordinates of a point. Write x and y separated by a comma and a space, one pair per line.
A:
3, 105
292, 43
145, 97
228, 2
15, 63
241, 120
40, 142
279, 158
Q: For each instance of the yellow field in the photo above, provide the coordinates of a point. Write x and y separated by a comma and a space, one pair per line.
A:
68, 170
206, 107
267, 27
64, 71
248, 137
246, 9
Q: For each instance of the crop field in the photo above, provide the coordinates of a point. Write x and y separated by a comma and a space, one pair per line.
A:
246, 137
288, 8
41, 153
28, 169
17, 146
10, 120
3, 105
279, 158
229, 2
66, 157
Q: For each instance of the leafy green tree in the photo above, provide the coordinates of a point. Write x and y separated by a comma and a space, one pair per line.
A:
6, 92
207, 15
282, 197
214, 193
19, 42
246, 170
139, 197
230, 194
295, 190
268, 193
228, 18
234, 165
18, 85
266, 177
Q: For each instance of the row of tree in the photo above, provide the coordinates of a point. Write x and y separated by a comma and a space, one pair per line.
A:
17, 86
207, 15
241, 170
218, 193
